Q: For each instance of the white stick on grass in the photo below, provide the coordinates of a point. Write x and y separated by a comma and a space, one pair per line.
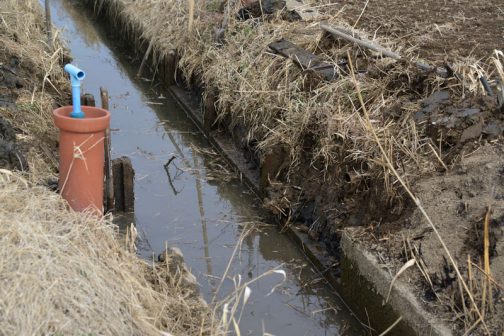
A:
191, 16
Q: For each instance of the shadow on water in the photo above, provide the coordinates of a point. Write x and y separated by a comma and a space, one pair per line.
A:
192, 203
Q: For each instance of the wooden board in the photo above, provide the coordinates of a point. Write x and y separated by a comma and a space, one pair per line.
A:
124, 177
305, 59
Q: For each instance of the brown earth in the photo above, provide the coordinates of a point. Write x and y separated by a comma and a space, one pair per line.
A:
438, 29
11, 156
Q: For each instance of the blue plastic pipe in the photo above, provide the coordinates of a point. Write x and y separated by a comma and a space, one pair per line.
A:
76, 76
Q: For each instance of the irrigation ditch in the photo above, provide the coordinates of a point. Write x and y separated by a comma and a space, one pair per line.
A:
346, 278
353, 266
182, 187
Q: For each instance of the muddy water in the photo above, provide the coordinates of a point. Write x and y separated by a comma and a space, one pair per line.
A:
193, 204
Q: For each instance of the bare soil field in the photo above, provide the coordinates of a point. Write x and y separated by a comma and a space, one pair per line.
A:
438, 29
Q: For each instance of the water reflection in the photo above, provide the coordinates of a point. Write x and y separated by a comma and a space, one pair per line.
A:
81, 23
203, 219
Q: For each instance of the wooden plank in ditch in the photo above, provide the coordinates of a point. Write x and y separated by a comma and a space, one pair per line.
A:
124, 176
109, 182
88, 99
305, 59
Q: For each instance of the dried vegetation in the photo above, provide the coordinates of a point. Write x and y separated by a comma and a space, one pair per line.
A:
319, 122
68, 273
33, 79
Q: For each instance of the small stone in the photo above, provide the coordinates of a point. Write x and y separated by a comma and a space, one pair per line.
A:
471, 132
462, 113
436, 98
461, 170
174, 254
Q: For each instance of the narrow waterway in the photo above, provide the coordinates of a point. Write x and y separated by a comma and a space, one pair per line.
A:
194, 204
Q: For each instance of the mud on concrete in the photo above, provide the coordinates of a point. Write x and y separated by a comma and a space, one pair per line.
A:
457, 197
457, 202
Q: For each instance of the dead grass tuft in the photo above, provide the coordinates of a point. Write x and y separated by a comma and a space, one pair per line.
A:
66, 273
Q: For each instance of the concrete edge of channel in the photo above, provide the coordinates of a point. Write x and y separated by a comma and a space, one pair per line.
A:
401, 296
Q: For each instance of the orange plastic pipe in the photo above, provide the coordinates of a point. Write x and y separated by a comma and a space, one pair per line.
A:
82, 156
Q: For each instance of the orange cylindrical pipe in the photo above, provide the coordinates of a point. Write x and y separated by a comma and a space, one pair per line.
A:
82, 154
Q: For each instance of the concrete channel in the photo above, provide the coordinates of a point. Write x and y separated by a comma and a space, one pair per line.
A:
201, 205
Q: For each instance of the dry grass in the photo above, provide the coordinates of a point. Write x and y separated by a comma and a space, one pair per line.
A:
315, 120
66, 273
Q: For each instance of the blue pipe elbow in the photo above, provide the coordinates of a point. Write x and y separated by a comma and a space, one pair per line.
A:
76, 76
